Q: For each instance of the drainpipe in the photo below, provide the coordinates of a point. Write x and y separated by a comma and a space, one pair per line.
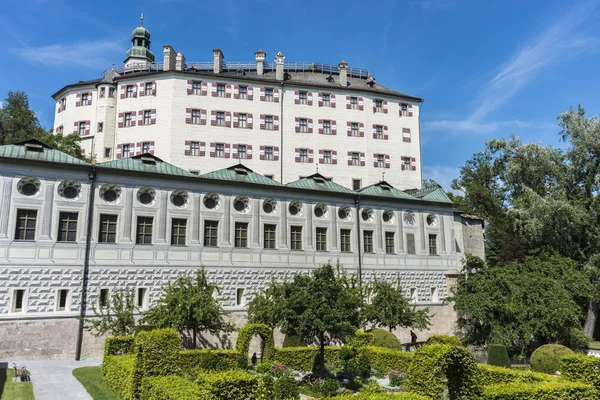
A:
420, 147
357, 205
86, 263
281, 132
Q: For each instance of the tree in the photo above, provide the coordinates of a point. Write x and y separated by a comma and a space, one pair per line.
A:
116, 318
188, 305
262, 308
389, 308
323, 302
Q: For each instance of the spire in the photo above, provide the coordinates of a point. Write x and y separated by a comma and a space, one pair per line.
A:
139, 54
142, 20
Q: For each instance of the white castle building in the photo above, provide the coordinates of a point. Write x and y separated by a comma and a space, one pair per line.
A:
168, 199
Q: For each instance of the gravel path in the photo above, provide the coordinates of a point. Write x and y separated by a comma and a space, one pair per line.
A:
54, 380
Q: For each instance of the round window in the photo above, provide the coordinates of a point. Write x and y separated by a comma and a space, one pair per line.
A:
295, 208
69, 189
367, 214
344, 212
320, 210
179, 198
29, 186
269, 206
110, 193
409, 218
146, 195
211, 201
388, 216
70, 192
239, 205
431, 220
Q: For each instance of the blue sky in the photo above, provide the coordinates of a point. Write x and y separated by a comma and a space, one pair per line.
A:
486, 69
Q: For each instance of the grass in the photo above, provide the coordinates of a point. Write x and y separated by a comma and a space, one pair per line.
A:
91, 379
10, 390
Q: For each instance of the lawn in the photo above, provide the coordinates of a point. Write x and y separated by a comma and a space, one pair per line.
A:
10, 390
91, 379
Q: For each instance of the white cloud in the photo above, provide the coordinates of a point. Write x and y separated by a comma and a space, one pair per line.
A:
470, 126
441, 174
95, 55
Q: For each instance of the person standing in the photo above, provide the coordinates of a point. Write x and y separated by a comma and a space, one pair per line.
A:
413, 337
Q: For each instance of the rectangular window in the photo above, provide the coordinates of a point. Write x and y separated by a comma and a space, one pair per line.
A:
243, 92
380, 161
410, 244
18, 300
26, 221
404, 109
211, 229
102, 91
303, 125
268, 94
111, 92
85, 99
129, 90
62, 297
326, 100
108, 229
145, 147
240, 300
390, 246
356, 184
243, 120
303, 98
241, 234
327, 156
355, 158
67, 227
296, 238
271, 177
148, 88
196, 117
242, 151
303, 155
147, 117
269, 236
354, 103
144, 230
378, 132
269, 122
220, 90
60, 129
107, 151
196, 88
406, 134
100, 127
378, 105
128, 119
126, 150
195, 148
433, 244
406, 163
141, 297
220, 118
219, 150
354, 129
368, 241
178, 231
327, 127
81, 127
103, 299
321, 236
345, 240
268, 153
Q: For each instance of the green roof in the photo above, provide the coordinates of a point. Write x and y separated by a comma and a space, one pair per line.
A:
240, 173
432, 192
318, 182
38, 151
384, 189
146, 163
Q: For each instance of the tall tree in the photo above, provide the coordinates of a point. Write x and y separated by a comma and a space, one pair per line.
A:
188, 305
116, 317
262, 309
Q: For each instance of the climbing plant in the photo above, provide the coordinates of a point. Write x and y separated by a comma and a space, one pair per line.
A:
264, 332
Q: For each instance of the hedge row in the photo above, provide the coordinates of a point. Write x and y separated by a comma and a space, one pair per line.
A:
384, 360
580, 368
117, 372
559, 390
361, 339
492, 375
382, 396
305, 358
169, 388
199, 361
118, 345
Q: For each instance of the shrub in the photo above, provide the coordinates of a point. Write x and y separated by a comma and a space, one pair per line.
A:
444, 339
385, 360
279, 370
372, 388
354, 364
264, 367
558, 390
326, 389
492, 375
118, 345
241, 360
169, 388
228, 385
306, 358
383, 338
438, 365
117, 372
580, 368
396, 378
498, 356
382, 396
361, 339
266, 386
242, 343
547, 358
286, 388
292, 341
198, 361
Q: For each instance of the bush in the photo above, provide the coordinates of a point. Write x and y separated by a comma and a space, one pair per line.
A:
306, 358
396, 378
354, 364
117, 372
492, 375
264, 367
292, 341
580, 368
385, 360
169, 388
361, 339
547, 358
382, 396
266, 386
228, 385
286, 388
438, 366
118, 345
444, 339
198, 361
498, 356
558, 390
242, 343
383, 338
241, 361
326, 389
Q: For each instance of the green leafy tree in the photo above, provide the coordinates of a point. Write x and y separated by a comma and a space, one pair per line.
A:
188, 305
391, 309
116, 317
262, 308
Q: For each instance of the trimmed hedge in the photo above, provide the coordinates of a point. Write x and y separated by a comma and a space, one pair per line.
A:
286, 388
381, 396
242, 343
117, 372
438, 366
199, 361
228, 385
119, 345
385, 360
559, 390
169, 388
581, 368
292, 341
498, 356
444, 339
547, 358
305, 358
492, 375
361, 339
383, 338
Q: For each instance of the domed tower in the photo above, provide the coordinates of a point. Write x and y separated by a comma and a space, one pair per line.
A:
139, 55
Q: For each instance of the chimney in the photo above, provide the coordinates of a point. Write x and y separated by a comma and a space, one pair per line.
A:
343, 69
279, 66
169, 60
260, 62
218, 57
180, 63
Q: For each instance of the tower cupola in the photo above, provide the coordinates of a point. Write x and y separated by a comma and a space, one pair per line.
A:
139, 54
